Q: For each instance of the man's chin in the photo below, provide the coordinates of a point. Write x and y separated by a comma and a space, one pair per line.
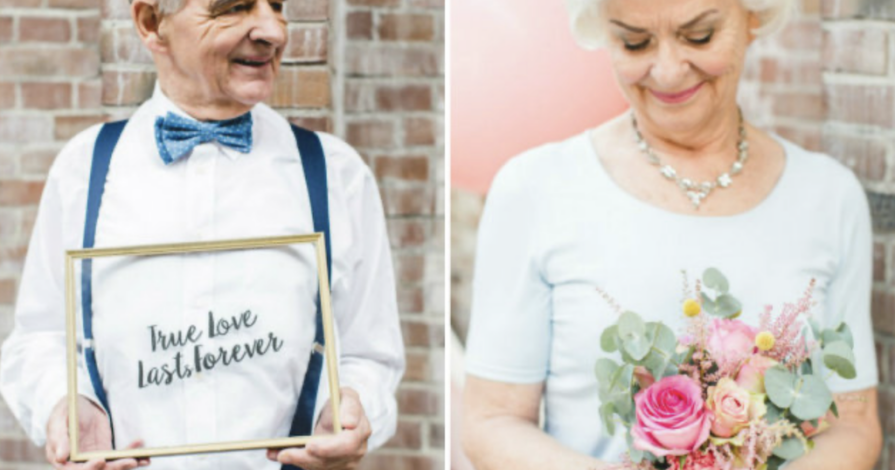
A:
250, 94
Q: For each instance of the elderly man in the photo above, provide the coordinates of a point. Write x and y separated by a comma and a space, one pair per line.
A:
204, 160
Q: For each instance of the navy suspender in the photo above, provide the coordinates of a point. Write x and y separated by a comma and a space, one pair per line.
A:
314, 165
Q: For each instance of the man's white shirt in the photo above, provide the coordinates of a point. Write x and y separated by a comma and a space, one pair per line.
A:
262, 300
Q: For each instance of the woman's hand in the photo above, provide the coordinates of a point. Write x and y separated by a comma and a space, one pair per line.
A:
341, 451
94, 432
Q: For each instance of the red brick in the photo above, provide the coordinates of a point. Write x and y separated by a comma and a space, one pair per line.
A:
298, 87
408, 435
88, 29
407, 233
420, 367
866, 157
38, 161
802, 35
410, 168
883, 311
37, 29
127, 88
7, 95
371, 133
307, 44
422, 334
20, 450
43, 62
404, 98
76, 4
862, 104
409, 268
307, 10
374, 60
408, 201
23, 129
879, 262
46, 95
410, 299
385, 460
68, 126
863, 51
5, 28
20, 193
800, 105
419, 131
359, 25
314, 123
122, 44
419, 402
7, 291
90, 94
406, 27
791, 70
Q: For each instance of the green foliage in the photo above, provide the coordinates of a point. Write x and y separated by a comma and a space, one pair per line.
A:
839, 357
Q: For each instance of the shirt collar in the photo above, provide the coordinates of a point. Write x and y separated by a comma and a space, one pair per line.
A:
162, 105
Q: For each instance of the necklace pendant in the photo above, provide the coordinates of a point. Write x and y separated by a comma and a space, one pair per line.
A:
724, 180
696, 198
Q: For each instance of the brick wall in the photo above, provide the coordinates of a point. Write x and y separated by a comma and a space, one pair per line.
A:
370, 71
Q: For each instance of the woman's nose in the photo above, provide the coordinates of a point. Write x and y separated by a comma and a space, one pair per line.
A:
670, 67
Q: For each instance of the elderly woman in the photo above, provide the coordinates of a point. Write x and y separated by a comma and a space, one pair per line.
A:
680, 182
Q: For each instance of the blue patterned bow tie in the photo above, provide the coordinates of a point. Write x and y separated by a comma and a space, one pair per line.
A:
176, 135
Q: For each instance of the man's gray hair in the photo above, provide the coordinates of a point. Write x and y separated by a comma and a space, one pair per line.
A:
167, 6
587, 18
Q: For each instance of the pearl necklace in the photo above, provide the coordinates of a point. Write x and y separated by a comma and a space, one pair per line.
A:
696, 192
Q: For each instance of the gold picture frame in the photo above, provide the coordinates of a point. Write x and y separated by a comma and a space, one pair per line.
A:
317, 239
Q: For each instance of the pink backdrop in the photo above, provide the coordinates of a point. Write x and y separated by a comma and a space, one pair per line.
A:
518, 80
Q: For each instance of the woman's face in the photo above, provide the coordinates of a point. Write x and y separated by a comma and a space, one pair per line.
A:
678, 62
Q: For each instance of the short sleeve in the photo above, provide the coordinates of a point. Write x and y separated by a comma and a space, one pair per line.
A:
848, 295
510, 329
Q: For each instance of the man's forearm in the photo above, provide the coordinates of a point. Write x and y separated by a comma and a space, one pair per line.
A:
506, 442
842, 447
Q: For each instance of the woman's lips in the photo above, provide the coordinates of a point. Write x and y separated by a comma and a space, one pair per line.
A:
674, 98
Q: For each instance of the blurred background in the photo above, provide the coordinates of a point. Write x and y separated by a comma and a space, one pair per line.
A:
369, 71
518, 80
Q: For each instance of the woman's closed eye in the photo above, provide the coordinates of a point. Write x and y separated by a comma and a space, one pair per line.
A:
635, 45
700, 38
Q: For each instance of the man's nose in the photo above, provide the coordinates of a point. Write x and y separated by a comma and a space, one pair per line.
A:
270, 26
670, 67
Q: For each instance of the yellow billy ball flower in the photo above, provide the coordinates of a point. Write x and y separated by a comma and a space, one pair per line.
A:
765, 341
691, 308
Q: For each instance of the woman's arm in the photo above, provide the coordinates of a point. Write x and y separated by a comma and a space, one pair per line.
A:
853, 441
500, 430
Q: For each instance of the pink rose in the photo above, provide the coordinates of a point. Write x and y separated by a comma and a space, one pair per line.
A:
730, 340
733, 407
751, 375
695, 461
671, 417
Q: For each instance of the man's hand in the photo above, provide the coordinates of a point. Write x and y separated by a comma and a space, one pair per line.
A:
342, 451
94, 432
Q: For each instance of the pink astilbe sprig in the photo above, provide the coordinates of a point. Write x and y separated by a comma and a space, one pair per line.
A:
610, 301
628, 464
790, 346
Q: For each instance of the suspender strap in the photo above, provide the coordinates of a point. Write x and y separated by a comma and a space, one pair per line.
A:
102, 155
314, 165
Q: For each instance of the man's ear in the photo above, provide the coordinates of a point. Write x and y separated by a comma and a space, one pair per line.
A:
148, 20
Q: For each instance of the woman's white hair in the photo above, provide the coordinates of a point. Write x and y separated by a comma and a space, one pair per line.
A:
587, 18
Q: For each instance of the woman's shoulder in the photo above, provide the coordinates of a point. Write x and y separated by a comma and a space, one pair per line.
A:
558, 162
822, 175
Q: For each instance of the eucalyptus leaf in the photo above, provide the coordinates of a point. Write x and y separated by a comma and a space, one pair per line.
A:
774, 463
708, 304
638, 347
812, 400
791, 448
780, 385
713, 279
608, 339
607, 413
840, 358
845, 332
661, 336
774, 413
834, 409
806, 368
728, 305
815, 328
604, 369
636, 455
630, 325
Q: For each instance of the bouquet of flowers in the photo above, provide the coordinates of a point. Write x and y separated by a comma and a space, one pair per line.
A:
723, 394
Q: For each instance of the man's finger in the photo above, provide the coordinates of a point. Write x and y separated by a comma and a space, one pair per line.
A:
299, 456
348, 443
351, 411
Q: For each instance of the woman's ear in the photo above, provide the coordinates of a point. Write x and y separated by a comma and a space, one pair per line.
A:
148, 19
